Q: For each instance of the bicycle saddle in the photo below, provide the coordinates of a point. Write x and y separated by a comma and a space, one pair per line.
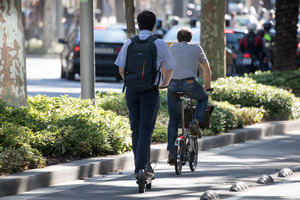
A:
181, 94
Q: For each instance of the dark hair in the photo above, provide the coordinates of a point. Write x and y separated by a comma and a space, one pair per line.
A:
184, 34
146, 20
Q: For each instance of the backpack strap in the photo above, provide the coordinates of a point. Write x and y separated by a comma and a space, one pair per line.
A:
153, 38
158, 72
133, 39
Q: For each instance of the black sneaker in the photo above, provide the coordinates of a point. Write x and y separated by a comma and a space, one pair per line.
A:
171, 158
195, 128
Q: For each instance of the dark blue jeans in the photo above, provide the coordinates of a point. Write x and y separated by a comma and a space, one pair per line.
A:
143, 107
196, 92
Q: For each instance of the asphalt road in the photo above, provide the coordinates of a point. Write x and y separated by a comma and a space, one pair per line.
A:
217, 170
43, 77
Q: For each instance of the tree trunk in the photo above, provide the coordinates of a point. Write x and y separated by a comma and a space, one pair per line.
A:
49, 24
12, 55
120, 10
59, 15
212, 35
129, 16
285, 45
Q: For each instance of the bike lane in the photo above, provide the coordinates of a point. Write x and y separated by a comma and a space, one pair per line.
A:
217, 170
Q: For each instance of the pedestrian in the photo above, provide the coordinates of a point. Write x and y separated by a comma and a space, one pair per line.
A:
142, 98
269, 44
188, 56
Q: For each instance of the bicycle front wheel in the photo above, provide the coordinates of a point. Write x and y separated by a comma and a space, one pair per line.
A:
178, 160
193, 157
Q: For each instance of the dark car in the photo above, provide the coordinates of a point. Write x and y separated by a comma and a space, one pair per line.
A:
108, 42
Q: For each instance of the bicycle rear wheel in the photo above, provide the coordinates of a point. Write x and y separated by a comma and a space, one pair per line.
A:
193, 158
178, 160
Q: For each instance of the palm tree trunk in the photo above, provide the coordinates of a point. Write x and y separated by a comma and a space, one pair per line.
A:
285, 44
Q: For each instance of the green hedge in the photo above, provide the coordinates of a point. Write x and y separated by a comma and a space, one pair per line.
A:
16, 153
66, 127
289, 80
86, 128
59, 127
280, 104
225, 116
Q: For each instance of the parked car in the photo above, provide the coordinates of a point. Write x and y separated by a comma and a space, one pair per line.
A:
108, 42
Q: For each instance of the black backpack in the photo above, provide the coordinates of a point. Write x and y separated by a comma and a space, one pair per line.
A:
140, 69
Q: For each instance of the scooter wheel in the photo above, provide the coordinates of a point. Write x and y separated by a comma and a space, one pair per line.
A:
149, 185
141, 181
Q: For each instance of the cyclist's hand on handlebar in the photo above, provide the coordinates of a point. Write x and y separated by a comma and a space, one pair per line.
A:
206, 87
163, 85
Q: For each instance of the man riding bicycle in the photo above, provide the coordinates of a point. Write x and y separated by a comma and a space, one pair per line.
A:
188, 56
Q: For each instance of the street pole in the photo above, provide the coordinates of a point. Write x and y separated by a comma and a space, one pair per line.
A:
87, 48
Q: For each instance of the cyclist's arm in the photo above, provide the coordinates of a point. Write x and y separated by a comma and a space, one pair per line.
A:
121, 59
121, 72
168, 62
207, 75
167, 74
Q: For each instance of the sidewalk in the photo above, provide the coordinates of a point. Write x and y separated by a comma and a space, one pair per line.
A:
82, 169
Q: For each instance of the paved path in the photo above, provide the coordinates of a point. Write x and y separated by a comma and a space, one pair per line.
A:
217, 170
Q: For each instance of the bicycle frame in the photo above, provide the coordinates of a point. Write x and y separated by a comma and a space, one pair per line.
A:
184, 135
182, 98
186, 144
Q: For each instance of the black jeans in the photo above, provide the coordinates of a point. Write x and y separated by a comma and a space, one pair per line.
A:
143, 107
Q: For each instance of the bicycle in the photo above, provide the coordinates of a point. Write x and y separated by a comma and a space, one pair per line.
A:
186, 144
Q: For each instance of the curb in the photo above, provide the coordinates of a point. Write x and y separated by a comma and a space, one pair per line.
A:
86, 168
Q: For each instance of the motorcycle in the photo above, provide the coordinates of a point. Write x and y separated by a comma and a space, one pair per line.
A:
249, 63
